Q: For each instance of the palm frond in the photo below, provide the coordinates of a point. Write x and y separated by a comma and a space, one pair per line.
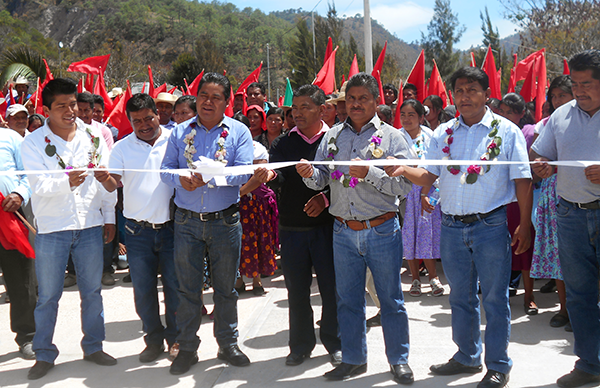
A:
13, 71
21, 61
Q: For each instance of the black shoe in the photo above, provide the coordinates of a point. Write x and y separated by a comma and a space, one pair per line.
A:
101, 358
233, 355
258, 290
336, 358
183, 362
548, 287
577, 378
568, 328
127, 279
374, 321
512, 291
294, 359
240, 289
530, 310
402, 374
493, 379
559, 320
345, 371
152, 352
70, 280
39, 370
453, 367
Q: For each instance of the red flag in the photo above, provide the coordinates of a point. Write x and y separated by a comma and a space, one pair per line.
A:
522, 68
193, 89
10, 95
326, 76
253, 77
377, 76
528, 90
13, 234
379, 64
49, 76
229, 109
172, 90
489, 67
512, 82
118, 116
328, 50
399, 102
280, 101
80, 86
473, 64
143, 89
436, 85
100, 89
151, 90
541, 86
353, 67
450, 99
89, 83
566, 70
36, 99
161, 89
186, 92
3, 107
343, 79
417, 76
91, 65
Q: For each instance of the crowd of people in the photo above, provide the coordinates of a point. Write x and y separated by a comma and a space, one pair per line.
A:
350, 225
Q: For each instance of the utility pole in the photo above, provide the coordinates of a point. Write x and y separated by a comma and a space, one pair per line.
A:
368, 39
314, 42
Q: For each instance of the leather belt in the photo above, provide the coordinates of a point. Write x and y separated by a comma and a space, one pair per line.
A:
470, 218
214, 215
373, 222
595, 205
146, 224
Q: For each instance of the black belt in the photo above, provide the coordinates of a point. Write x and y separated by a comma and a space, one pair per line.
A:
214, 215
595, 205
470, 218
146, 224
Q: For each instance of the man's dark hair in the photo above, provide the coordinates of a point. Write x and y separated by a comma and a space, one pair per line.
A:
562, 82
366, 80
219, 79
189, 100
259, 85
409, 86
392, 88
315, 93
472, 74
86, 97
276, 111
98, 100
36, 116
493, 103
58, 86
386, 111
417, 106
586, 60
239, 116
140, 101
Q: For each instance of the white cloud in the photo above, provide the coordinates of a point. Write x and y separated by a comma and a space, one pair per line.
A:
399, 17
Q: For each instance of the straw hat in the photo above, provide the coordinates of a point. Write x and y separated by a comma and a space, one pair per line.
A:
165, 97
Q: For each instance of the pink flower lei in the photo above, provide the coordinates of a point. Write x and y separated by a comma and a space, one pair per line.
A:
474, 171
94, 156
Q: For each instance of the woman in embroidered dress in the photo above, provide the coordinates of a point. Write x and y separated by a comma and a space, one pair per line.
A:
545, 263
421, 230
513, 108
258, 211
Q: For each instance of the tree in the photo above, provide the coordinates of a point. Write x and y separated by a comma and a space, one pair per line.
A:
301, 58
491, 38
21, 61
443, 31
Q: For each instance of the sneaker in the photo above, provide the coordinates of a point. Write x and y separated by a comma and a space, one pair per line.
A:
436, 287
108, 279
26, 351
415, 288
70, 280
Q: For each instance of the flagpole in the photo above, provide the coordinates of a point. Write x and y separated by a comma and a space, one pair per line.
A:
368, 38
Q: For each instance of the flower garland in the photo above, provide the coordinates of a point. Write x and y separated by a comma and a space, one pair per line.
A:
190, 150
474, 171
332, 148
94, 156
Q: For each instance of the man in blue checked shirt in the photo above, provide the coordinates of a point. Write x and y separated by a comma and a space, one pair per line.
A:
475, 242
207, 220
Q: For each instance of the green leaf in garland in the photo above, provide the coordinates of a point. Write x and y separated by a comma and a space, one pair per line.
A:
472, 178
331, 140
50, 150
487, 168
96, 142
61, 164
493, 132
495, 123
346, 182
498, 141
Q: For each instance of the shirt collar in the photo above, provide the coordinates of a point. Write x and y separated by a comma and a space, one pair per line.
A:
375, 121
486, 120
222, 123
317, 136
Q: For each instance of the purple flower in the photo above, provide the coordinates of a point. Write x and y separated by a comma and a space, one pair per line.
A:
449, 131
224, 134
446, 150
450, 140
69, 168
376, 140
454, 171
474, 169
353, 182
336, 175
330, 156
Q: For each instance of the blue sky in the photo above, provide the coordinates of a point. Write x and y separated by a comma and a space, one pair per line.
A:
406, 18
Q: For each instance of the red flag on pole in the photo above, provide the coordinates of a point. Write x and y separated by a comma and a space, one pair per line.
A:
328, 50
566, 70
13, 234
399, 102
353, 67
49, 76
91, 65
377, 76
80, 85
528, 90
118, 116
343, 79
489, 67
161, 89
11, 98
326, 76
512, 82
3, 107
89, 83
36, 99
522, 68
417, 76
253, 77
436, 85
473, 64
100, 89
541, 86
151, 90
379, 64
193, 88
172, 90
229, 109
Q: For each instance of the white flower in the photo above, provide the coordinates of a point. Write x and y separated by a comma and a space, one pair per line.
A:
331, 167
193, 132
192, 149
221, 141
371, 147
332, 148
446, 139
378, 133
463, 179
342, 178
482, 171
446, 158
485, 156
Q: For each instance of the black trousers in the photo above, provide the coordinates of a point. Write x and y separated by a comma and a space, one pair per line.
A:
301, 251
21, 286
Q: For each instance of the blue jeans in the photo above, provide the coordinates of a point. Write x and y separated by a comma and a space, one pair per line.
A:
380, 249
579, 253
147, 251
479, 250
221, 240
301, 251
52, 253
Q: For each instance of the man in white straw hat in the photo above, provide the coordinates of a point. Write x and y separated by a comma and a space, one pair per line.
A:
165, 103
